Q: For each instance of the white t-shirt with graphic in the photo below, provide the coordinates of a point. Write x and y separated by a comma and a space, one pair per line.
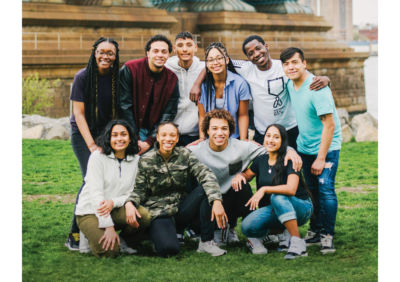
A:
271, 101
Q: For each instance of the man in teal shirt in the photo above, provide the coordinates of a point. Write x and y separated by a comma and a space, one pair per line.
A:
318, 143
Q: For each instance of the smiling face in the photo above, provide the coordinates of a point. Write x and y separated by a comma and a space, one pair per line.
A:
216, 61
105, 55
272, 140
218, 133
185, 49
295, 68
119, 140
258, 54
167, 137
157, 55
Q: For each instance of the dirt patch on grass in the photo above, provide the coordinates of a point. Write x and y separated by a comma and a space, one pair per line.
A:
356, 206
361, 190
65, 198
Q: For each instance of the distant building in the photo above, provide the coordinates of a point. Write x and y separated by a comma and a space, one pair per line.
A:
338, 13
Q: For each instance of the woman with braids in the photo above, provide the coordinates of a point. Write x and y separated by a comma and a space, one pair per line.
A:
94, 96
223, 88
290, 204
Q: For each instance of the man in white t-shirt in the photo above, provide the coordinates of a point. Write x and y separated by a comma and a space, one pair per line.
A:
267, 80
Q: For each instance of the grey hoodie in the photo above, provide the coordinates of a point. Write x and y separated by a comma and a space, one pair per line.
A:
187, 115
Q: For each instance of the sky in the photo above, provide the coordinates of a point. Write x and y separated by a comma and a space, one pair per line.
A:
365, 11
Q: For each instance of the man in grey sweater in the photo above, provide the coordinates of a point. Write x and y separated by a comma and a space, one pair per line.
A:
226, 157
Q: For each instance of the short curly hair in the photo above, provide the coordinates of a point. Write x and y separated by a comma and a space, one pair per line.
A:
218, 114
158, 37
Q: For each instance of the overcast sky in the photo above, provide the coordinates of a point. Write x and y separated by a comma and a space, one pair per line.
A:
365, 11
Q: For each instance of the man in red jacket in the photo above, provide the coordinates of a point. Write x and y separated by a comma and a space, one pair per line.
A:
149, 92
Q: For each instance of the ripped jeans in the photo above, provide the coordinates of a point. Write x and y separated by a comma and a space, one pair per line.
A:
322, 188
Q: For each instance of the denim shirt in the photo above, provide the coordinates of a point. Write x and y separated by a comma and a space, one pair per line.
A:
236, 89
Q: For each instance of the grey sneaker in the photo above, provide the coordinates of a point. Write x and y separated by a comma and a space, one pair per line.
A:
312, 238
271, 239
124, 248
297, 248
210, 247
327, 244
256, 246
232, 236
83, 244
284, 241
221, 236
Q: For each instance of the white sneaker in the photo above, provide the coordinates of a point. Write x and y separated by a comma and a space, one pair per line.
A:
256, 246
297, 248
124, 248
284, 241
327, 244
83, 244
220, 237
210, 247
232, 236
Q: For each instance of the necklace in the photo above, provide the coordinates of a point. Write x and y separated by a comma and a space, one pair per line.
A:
269, 169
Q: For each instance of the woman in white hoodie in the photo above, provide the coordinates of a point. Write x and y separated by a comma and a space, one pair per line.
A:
102, 208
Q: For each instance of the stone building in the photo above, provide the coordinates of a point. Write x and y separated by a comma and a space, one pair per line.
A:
58, 34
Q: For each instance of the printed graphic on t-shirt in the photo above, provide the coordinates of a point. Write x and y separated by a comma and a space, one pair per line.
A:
275, 88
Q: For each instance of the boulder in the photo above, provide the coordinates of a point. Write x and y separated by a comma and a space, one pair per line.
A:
363, 119
366, 132
343, 116
35, 132
347, 133
57, 132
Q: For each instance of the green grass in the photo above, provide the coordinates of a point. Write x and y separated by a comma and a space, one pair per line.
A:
49, 167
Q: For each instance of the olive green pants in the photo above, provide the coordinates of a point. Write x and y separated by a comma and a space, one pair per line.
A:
88, 224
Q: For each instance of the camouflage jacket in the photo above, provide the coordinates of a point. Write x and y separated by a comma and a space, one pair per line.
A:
161, 186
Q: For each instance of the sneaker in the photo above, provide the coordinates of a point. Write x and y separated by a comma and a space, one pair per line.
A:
83, 244
232, 236
181, 238
327, 244
221, 236
72, 242
271, 239
284, 241
191, 235
256, 246
210, 247
312, 238
297, 248
124, 248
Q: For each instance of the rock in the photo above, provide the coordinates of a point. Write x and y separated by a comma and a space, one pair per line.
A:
367, 132
347, 133
57, 132
35, 132
363, 119
343, 116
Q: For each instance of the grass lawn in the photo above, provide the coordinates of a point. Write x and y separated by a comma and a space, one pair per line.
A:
51, 177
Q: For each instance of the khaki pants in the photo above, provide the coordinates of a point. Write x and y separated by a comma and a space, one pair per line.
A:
88, 224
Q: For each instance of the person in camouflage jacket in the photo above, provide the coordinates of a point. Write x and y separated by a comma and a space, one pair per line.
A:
161, 183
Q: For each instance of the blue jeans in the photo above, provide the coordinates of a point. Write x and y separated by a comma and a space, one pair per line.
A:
322, 188
82, 153
282, 208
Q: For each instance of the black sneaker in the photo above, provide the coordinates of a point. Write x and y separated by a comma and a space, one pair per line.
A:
312, 238
181, 238
72, 242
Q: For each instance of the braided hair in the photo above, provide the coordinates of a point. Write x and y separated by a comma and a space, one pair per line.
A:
91, 91
209, 80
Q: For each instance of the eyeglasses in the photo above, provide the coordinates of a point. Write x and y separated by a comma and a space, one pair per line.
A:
108, 54
217, 59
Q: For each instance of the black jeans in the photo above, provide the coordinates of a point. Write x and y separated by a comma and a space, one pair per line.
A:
82, 153
186, 139
234, 203
292, 137
163, 229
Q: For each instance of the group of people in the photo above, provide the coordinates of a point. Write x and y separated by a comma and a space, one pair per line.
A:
163, 147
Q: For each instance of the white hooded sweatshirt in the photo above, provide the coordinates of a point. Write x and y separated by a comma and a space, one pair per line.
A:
187, 116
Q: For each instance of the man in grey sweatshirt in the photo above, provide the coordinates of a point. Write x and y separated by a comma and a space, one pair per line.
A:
187, 68
226, 157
